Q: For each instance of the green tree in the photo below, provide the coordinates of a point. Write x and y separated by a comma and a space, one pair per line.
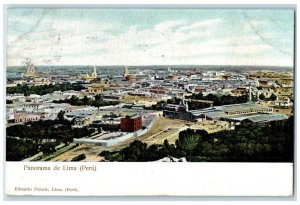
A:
190, 142
262, 96
78, 158
60, 116
166, 144
48, 148
254, 98
273, 97
135, 152
9, 102
98, 97
74, 100
85, 100
97, 104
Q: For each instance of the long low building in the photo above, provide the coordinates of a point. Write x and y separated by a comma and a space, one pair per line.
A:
235, 114
218, 112
231, 113
262, 119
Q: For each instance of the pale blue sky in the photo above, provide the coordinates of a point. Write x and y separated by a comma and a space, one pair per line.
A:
150, 36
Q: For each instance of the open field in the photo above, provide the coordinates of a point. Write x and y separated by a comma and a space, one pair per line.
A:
91, 152
132, 99
170, 134
210, 126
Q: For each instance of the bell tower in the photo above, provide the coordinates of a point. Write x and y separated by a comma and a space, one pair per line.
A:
126, 72
94, 73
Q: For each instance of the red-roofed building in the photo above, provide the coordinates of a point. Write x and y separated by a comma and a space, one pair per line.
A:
131, 123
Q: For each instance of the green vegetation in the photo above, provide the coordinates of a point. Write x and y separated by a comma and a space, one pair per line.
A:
48, 129
195, 105
189, 143
78, 158
247, 143
175, 101
98, 102
273, 97
17, 150
58, 151
43, 89
220, 100
137, 151
9, 102
262, 96
48, 147
217, 100
61, 118
23, 141
159, 106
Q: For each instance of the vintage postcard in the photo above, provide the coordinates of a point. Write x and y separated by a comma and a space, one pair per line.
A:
107, 96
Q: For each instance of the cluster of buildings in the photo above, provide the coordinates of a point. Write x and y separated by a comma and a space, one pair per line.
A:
233, 113
138, 90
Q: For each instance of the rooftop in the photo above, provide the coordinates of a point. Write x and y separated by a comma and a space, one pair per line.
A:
135, 116
219, 111
268, 118
216, 114
241, 107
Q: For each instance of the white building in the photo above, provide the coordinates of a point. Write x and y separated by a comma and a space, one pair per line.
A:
33, 107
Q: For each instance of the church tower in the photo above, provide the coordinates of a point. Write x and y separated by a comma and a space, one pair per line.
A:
126, 72
94, 73
30, 71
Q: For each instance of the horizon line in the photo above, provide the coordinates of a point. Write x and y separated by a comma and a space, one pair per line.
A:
290, 66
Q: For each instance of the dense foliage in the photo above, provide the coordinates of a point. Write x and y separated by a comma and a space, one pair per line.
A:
98, 102
273, 97
19, 149
43, 89
47, 129
247, 143
159, 106
26, 140
174, 100
220, 100
196, 105
217, 100
78, 158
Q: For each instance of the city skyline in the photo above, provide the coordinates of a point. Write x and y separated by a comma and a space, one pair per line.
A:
150, 37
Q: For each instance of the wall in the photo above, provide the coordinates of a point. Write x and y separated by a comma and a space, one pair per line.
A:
111, 142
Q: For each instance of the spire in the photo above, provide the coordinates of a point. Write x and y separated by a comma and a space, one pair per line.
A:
126, 72
94, 74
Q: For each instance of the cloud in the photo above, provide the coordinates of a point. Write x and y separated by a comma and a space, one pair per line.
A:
199, 25
169, 25
88, 41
